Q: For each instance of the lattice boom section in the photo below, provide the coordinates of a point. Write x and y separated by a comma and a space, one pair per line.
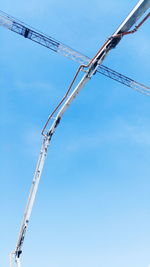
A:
35, 36
49, 43
123, 79
5, 22
66, 51
72, 54
140, 87
115, 75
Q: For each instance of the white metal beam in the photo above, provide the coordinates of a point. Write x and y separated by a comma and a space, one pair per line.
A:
136, 13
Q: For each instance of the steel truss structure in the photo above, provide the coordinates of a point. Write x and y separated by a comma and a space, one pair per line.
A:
66, 51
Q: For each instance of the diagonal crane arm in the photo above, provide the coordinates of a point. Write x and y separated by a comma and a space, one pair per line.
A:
91, 68
64, 50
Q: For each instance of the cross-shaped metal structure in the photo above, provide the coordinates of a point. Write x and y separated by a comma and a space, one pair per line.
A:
89, 68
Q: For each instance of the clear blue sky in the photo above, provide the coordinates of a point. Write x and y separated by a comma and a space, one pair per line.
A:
93, 203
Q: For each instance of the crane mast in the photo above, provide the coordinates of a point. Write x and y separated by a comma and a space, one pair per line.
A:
92, 66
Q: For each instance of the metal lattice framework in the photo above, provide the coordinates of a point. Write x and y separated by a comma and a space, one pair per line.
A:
114, 75
66, 51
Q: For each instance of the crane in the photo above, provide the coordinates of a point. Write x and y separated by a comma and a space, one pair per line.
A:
56, 46
89, 68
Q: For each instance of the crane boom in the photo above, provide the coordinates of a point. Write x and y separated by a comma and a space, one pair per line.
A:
64, 50
91, 68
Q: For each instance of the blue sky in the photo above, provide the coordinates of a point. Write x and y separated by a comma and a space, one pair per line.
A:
92, 207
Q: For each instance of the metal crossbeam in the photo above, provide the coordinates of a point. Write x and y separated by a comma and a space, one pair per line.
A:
64, 50
114, 75
35, 36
